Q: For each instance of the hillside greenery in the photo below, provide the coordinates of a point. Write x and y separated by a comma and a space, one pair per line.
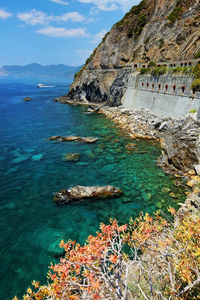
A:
176, 13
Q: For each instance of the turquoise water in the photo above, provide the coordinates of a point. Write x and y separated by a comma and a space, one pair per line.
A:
32, 170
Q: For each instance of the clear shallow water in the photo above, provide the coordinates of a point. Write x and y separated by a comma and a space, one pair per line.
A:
32, 169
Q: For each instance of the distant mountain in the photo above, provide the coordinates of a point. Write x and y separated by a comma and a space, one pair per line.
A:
38, 71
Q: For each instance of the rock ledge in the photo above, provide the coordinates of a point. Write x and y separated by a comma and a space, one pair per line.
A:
86, 192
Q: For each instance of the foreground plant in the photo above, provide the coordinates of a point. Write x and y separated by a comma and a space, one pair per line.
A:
146, 259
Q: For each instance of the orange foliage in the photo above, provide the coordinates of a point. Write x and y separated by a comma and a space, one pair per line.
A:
101, 267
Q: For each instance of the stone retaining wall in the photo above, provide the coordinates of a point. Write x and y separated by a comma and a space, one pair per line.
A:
164, 96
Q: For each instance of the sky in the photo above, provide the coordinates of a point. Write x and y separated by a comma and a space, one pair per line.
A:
55, 31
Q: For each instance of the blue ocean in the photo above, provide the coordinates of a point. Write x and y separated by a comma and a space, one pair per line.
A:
32, 169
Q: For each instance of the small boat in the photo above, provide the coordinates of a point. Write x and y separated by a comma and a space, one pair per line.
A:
40, 85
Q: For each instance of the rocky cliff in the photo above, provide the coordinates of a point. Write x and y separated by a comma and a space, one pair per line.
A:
154, 30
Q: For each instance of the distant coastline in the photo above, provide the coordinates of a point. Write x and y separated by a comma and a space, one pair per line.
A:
44, 73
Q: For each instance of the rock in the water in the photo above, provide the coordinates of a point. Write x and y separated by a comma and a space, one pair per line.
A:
55, 137
71, 157
86, 192
166, 190
131, 146
93, 108
173, 195
27, 99
70, 138
89, 140
37, 157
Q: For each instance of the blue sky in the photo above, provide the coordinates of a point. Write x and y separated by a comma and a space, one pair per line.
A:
55, 31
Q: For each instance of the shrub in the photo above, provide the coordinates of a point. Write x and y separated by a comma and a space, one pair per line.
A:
135, 10
192, 111
144, 71
151, 64
139, 25
157, 71
196, 71
148, 259
161, 42
197, 54
175, 14
196, 85
183, 70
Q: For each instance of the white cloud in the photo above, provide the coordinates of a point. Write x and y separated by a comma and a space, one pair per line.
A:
107, 8
63, 32
4, 14
60, 2
98, 37
36, 17
72, 16
104, 5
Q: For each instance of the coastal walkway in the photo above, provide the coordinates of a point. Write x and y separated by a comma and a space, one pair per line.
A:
138, 65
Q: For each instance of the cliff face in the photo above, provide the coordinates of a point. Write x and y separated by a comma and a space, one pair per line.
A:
154, 30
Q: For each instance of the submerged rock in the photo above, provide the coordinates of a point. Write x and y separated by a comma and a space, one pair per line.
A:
71, 157
166, 190
172, 194
20, 159
55, 250
37, 157
86, 192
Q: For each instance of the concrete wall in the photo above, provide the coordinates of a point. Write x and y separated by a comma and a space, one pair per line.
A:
164, 96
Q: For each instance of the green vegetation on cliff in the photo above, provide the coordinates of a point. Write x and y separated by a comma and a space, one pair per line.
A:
196, 83
176, 13
197, 54
133, 26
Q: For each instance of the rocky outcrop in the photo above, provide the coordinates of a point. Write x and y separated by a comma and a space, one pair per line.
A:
180, 139
27, 99
154, 30
88, 140
191, 205
86, 192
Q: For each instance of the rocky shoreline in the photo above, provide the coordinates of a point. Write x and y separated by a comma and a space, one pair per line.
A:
179, 140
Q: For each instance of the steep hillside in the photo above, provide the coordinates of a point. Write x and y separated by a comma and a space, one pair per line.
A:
154, 30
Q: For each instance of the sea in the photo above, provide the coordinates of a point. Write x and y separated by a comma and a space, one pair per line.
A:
33, 169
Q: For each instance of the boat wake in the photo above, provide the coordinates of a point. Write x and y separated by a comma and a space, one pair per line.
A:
40, 85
